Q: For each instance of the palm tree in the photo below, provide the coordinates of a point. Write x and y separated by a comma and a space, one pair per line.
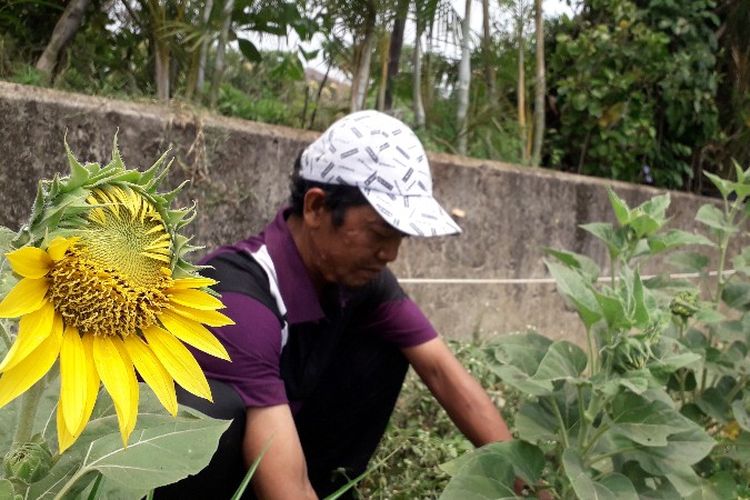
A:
539, 85
464, 81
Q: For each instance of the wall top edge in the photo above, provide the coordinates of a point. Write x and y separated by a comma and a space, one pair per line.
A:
176, 110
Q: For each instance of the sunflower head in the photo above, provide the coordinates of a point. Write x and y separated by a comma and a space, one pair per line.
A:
105, 288
114, 207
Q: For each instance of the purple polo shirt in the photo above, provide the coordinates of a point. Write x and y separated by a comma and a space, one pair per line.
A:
254, 342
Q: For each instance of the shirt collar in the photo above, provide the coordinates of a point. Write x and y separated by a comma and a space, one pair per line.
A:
295, 284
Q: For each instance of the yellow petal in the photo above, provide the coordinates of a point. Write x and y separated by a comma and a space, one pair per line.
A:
194, 334
92, 384
57, 248
26, 296
156, 256
152, 371
32, 330
134, 393
117, 374
64, 438
30, 262
92, 376
195, 299
210, 318
178, 361
26, 373
196, 282
73, 384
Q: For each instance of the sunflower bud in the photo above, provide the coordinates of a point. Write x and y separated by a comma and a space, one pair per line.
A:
684, 304
29, 462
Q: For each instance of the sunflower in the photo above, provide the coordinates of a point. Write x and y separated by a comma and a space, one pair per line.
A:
103, 286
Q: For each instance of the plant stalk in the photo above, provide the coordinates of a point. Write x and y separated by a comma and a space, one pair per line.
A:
27, 414
560, 422
682, 377
737, 388
599, 433
5, 336
592, 357
584, 422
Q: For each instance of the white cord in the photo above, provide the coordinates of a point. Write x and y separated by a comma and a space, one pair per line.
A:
532, 281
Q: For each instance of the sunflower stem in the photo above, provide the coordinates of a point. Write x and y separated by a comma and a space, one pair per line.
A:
27, 415
5, 335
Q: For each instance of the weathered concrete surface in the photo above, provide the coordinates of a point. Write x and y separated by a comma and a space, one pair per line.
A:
240, 170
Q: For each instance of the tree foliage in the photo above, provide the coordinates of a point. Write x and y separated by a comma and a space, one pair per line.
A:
646, 91
635, 86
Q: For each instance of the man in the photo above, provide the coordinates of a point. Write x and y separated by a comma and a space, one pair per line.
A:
324, 334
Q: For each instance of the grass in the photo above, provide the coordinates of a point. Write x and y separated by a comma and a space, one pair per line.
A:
421, 436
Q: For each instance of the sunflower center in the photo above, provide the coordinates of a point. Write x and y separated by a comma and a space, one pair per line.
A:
114, 280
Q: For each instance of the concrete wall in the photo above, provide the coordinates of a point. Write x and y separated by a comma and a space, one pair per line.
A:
239, 172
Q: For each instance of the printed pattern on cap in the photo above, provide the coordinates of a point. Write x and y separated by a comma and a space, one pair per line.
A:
385, 159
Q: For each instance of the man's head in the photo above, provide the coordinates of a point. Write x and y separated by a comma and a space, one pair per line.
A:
360, 188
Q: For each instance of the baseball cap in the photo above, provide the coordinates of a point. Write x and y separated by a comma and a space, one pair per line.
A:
385, 159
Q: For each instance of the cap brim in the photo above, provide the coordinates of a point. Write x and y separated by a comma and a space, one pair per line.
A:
413, 215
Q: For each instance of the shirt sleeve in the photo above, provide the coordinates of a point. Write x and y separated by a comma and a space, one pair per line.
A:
401, 323
254, 347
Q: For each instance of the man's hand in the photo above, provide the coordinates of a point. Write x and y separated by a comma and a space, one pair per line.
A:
458, 392
282, 472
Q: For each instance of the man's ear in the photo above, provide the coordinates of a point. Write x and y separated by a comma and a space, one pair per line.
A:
314, 208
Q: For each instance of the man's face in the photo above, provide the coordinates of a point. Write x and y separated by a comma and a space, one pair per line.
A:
355, 252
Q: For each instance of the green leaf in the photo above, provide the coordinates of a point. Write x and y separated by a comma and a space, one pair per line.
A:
6, 238
514, 377
741, 262
686, 447
737, 295
690, 262
717, 487
656, 208
490, 471
673, 355
585, 265
673, 461
648, 423
724, 186
607, 233
645, 225
739, 411
637, 381
613, 311
534, 424
576, 289
707, 314
563, 360
711, 216
622, 212
249, 50
524, 350
676, 238
613, 486
162, 449
641, 315
732, 330
78, 173
712, 403
739, 450
6, 489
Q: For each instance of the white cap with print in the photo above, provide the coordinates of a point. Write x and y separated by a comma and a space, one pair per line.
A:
385, 159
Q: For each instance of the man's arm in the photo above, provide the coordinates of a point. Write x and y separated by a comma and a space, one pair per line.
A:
282, 472
458, 392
